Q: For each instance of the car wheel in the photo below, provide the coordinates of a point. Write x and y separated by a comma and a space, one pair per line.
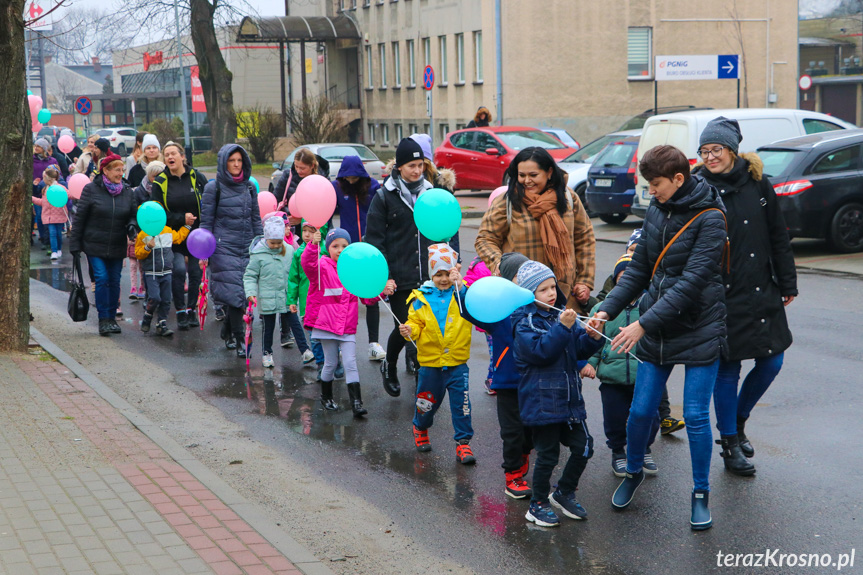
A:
612, 218
581, 192
846, 229
121, 149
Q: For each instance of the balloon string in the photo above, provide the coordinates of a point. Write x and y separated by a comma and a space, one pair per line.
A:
386, 305
587, 327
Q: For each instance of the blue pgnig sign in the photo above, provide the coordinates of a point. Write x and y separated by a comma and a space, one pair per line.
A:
698, 67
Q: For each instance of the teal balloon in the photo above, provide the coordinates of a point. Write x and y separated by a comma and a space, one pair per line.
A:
363, 270
152, 218
253, 180
492, 299
57, 195
29, 92
437, 214
44, 116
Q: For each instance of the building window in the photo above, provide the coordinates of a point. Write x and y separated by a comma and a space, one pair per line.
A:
382, 48
426, 51
371, 134
399, 134
459, 54
427, 129
443, 58
460, 126
639, 54
412, 128
477, 50
412, 65
444, 130
397, 65
370, 81
385, 134
367, 3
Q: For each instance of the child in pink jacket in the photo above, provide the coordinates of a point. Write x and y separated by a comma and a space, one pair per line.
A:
478, 270
332, 314
53, 218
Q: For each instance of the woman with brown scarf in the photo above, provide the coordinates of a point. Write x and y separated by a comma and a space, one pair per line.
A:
541, 218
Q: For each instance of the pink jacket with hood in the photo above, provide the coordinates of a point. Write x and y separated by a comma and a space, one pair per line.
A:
50, 214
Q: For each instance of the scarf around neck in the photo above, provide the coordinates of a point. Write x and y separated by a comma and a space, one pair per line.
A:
555, 237
409, 191
113, 189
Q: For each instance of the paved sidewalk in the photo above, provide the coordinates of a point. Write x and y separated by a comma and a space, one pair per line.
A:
84, 491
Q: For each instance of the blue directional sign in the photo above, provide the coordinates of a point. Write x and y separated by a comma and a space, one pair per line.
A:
83, 105
729, 67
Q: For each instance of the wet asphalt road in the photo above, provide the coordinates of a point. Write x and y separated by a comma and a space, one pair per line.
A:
805, 497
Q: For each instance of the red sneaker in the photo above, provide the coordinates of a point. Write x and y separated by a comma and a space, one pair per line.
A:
464, 454
421, 439
516, 486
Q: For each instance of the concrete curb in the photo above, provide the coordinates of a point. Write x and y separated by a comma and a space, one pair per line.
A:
249, 512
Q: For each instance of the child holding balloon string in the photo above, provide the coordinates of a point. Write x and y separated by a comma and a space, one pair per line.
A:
298, 290
53, 217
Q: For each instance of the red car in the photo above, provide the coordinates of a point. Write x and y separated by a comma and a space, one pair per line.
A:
480, 156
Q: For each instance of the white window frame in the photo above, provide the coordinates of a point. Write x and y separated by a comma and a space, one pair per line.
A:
385, 134
637, 45
399, 132
397, 65
477, 51
382, 54
412, 64
442, 49
459, 57
372, 134
444, 130
426, 52
370, 68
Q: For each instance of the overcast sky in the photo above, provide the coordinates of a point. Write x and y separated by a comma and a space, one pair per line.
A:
264, 7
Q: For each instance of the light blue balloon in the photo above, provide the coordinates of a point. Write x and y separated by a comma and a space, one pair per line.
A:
492, 299
437, 214
152, 218
57, 195
363, 270
257, 185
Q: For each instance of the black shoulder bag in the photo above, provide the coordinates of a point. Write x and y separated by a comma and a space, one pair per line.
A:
78, 305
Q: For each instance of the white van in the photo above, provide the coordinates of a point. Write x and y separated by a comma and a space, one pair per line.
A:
759, 126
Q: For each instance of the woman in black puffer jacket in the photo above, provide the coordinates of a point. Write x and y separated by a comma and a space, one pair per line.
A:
105, 218
762, 282
682, 315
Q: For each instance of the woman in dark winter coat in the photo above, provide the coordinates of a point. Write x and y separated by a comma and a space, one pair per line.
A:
354, 192
391, 229
305, 164
104, 220
178, 189
763, 280
229, 209
481, 119
682, 315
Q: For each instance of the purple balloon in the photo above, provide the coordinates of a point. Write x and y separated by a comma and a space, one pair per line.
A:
201, 243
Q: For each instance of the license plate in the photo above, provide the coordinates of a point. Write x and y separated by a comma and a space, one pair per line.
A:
603, 183
645, 194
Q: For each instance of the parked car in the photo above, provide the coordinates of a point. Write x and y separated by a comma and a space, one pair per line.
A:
563, 136
759, 126
334, 154
819, 184
611, 181
122, 140
50, 132
637, 122
578, 164
480, 156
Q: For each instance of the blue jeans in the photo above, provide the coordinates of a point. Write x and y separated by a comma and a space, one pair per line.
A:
40, 227
106, 272
433, 385
697, 391
317, 349
56, 233
158, 295
730, 406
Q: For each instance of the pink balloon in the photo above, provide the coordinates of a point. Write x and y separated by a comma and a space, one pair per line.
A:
35, 103
496, 193
36, 126
66, 144
292, 207
267, 203
316, 199
76, 185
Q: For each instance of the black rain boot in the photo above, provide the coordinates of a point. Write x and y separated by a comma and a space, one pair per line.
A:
700, 519
735, 461
182, 320
411, 363
193, 318
104, 327
356, 399
745, 446
146, 321
114, 327
391, 379
327, 396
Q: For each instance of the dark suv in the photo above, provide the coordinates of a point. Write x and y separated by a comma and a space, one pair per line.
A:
611, 181
819, 183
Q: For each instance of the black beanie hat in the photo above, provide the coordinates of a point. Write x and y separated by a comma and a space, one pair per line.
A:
103, 145
408, 151
723, 131
510, 263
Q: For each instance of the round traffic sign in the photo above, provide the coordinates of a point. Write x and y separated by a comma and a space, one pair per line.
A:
83, 105
428, 78
805, 82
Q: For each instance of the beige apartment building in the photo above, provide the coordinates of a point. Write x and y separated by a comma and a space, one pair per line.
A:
583, 65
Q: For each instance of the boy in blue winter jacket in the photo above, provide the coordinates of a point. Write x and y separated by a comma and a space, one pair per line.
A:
517, 442
548, 346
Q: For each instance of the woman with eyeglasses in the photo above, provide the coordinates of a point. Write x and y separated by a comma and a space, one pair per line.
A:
762, 281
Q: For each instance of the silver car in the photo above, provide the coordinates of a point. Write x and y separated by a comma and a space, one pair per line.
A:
334, 154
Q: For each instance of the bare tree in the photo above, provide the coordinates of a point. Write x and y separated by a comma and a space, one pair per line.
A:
261, 127
317, 120
61, 96
737, 36
84, 33
15, 181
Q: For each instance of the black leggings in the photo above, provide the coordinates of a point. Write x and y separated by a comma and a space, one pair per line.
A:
395, 343
373, 322
233, 324
269, 326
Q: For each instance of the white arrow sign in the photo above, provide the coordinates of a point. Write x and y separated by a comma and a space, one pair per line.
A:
729, 68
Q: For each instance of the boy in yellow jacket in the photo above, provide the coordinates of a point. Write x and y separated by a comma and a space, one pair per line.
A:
157, 261
442, 338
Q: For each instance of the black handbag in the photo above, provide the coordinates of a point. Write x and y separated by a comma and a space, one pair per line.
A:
78, 306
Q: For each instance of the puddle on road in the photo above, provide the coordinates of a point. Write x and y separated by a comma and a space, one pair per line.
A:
58, 277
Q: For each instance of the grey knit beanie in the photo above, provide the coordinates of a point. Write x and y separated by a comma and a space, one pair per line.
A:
723, 131
510, 262
532, 273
